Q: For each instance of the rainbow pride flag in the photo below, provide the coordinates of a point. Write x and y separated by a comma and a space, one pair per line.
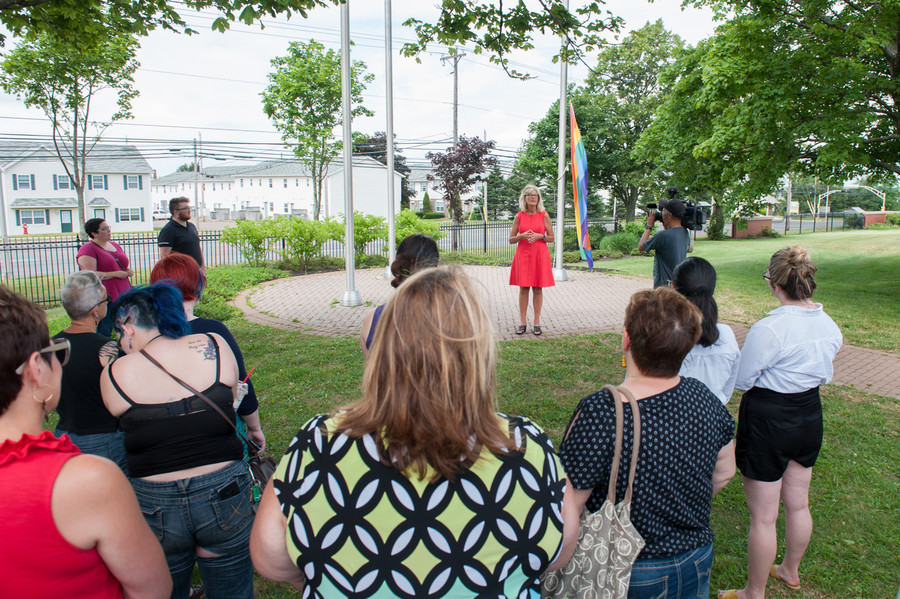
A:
579, 189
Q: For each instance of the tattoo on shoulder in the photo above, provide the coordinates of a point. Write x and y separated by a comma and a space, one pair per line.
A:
109, 352
206, 347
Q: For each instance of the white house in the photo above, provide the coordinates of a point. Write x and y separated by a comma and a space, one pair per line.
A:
36, 193
419, 183
277, 187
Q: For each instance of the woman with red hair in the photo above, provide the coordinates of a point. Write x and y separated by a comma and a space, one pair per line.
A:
183, 272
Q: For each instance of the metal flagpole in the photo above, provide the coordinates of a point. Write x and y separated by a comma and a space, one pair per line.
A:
389, 138
559, 273
351, 296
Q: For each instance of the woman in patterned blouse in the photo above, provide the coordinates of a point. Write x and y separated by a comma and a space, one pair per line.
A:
419, 489
686, 452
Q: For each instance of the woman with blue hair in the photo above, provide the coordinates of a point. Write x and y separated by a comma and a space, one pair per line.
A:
184, 457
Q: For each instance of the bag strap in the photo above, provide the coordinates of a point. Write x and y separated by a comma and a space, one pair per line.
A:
202, 396
636, 442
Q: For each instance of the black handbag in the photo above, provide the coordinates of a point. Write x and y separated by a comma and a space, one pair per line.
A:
261, 465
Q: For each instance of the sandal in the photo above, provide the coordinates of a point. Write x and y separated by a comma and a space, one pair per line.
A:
520, 329
536, 330
774, 574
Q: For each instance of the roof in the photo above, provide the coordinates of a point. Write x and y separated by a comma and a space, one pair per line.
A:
104, 158
99, 203
44, 203
270, 168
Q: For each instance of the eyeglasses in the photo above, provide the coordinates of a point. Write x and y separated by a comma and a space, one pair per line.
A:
182, 208
107, 299
766, 276
532, 195
104, 229
60, 347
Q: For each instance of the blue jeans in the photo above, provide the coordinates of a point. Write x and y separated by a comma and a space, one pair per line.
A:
678, 577
205, 511
107, 445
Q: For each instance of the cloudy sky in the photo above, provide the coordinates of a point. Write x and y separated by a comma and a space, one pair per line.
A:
207, 86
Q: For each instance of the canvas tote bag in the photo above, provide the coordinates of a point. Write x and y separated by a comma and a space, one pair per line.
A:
608, 543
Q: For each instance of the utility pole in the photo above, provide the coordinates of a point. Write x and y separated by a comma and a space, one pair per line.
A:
196, 178
455, 58
202, 216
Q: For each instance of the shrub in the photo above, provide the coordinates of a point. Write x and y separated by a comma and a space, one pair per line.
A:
768, 232
852, 220
571, 257
431, 215
893, 219
366, 228
715, 230
624, 243
303, 239
426, 203
408, 223
570, 237
636, 228
251, 238
881, 227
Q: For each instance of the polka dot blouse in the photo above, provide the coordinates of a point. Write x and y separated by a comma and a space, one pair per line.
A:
683, 430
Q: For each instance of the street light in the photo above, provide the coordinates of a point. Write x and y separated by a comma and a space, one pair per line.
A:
880, 194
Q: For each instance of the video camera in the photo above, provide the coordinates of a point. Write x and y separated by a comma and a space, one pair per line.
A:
694, 218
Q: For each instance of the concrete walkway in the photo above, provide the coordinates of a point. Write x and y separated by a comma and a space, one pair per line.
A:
589, 302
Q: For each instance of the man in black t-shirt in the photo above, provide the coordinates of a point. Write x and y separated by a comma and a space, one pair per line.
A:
671, 244
179, 235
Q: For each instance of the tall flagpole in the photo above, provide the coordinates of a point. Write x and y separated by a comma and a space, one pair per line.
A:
351, 296
559, 273
389, 138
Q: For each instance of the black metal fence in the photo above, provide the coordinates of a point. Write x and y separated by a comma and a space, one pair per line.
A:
37, 266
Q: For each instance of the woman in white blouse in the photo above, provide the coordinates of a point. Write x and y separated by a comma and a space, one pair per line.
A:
714, 359
786, 357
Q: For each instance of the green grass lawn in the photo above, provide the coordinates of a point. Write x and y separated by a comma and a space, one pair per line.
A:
858, 280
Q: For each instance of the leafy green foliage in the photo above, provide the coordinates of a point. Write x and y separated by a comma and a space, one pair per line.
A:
616, 105
303, 239
251, 238
497, 30
303, 100
893, 219
426, 203
621, 243
408, 223
570, 237
63, 78
366, 228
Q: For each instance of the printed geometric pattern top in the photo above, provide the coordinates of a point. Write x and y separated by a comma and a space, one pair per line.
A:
359, 528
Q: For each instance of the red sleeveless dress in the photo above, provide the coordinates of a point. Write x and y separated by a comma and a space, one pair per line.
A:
531, 265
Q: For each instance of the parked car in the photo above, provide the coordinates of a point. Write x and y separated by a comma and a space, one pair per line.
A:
160, 215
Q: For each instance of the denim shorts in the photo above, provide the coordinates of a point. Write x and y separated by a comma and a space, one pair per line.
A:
677, 577
107, 445
213, 511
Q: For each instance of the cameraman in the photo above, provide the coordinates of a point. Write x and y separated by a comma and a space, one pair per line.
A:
671, 244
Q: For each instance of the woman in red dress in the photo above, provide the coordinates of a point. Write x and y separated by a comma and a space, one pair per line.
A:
531, 268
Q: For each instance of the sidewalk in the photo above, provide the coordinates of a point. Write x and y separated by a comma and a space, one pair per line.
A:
589, 302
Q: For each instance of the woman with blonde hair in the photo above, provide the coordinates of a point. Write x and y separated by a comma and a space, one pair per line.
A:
420, 488
531, 268
786, 357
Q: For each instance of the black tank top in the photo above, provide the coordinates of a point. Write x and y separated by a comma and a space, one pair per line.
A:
181, 434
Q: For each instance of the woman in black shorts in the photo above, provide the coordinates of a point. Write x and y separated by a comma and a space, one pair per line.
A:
786, 357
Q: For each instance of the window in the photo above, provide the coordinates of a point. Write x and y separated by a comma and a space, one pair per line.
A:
182, 187
296, 182
271, 206
242, 182
214, 186
63, 182
285, 182
270, 183
33, 217
285, 207
260, 182
439, 206
100, 213
129, 214
425, 186
133, 182
23, 182
97, 182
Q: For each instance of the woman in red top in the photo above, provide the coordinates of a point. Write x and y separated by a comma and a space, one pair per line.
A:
71, 525
531, 268
105, 257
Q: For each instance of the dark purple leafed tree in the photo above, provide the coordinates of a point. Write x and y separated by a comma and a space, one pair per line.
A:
458, 169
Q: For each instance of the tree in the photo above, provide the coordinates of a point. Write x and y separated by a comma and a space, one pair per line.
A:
62, 79
458, 169
89, 21
617, 103
496, 31
426, 203
804, 87
376, 147
187, 167
303, 100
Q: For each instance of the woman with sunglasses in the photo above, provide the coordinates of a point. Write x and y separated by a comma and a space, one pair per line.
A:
173, 393
107, 258
71, 525
82, 414
786, 357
